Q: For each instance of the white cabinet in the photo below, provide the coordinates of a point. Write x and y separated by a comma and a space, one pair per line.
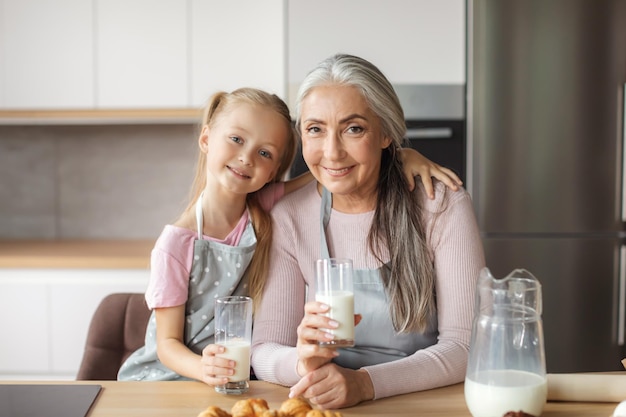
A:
45, 316
411, 41
25, 342
237, 43
146, 54
141, 53
46, 54
116, 54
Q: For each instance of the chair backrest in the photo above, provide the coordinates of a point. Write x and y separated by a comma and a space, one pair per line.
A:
117, 329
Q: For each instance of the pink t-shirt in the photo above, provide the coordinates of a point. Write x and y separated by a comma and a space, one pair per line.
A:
172, 255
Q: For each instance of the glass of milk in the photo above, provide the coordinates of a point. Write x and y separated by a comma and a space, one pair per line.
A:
334, 288
233, 330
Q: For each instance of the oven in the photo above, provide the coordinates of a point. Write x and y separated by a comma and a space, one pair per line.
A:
436, 125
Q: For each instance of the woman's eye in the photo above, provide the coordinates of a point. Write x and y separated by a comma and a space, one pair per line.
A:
313, 129
355, 129
236, 139
265, 154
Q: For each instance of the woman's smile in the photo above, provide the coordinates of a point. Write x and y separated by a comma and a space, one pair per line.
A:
338, 172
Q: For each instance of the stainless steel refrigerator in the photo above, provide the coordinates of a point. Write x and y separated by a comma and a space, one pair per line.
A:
545, 109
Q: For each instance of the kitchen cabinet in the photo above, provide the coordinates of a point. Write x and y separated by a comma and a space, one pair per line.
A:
45, 315
46, 54
411, 41
236, 44
172, 54
144, 54
141, 53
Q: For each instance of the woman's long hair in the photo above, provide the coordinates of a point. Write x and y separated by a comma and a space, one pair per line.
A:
397, 224
261, 220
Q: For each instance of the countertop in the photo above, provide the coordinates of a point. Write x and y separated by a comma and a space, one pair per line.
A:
98, 254
189, 398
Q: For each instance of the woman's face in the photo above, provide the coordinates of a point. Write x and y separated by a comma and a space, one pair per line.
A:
342, 143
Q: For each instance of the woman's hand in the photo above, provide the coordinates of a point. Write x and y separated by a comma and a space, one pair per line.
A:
332, 386
414, 163
310, 332
215, 370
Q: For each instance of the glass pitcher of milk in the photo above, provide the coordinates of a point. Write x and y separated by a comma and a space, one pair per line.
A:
506, 370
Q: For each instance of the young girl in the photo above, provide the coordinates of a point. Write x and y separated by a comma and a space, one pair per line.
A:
247, 145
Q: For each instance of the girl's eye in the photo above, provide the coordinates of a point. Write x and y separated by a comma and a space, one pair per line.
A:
265, 154
236, 139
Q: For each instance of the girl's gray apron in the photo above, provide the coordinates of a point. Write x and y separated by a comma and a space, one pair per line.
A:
217, 270
375, 339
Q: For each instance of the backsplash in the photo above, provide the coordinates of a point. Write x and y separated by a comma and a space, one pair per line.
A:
94, 182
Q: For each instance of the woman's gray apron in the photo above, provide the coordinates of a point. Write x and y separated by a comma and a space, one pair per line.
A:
217, 270
375, 339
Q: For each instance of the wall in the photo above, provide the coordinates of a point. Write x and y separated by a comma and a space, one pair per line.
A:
110, 182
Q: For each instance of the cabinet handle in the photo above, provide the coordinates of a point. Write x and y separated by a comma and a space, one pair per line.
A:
622, 113
429, 133
621, 304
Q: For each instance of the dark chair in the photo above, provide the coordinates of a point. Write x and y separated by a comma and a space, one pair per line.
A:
117, 329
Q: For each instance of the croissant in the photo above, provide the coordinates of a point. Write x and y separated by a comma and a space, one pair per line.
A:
296, 407
251, 407
274, 413
214, 411
323, 413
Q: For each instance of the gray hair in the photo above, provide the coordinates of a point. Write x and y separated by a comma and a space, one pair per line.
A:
350, 70
409, 279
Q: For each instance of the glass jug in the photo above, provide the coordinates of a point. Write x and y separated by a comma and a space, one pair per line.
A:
506, 370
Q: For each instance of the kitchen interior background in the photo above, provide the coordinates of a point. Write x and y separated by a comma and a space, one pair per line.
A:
117, 179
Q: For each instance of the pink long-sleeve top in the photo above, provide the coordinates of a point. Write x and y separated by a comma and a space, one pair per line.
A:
456, 252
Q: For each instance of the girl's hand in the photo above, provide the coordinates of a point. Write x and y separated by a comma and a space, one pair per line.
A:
414, 163
310, 331
215, 370
332, 386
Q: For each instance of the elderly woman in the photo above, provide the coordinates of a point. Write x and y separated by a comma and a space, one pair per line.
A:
416, 259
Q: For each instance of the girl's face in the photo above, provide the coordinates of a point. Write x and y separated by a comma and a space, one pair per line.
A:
244, 146
342, 143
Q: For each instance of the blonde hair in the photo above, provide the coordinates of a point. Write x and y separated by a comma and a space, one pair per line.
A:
261, 220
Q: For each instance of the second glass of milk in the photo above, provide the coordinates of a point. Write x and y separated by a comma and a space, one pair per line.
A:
233, 330
334, 288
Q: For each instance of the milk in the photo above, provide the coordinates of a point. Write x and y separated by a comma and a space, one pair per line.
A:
342, 311
513, 391
238, 351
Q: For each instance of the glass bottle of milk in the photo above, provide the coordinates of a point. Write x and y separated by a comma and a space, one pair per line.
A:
506, 370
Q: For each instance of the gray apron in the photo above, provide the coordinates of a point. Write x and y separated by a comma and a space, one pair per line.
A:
376, 341
217, 270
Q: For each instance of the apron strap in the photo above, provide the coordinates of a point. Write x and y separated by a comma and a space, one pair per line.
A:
326, 207
199, 219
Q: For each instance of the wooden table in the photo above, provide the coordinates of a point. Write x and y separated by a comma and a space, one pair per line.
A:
187, 399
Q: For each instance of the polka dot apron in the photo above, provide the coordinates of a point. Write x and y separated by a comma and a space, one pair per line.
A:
217, 270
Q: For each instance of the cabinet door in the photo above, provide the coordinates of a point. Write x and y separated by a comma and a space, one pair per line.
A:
237, 43
141, 54
46, 54
74, 297
411, 41
45, 315
24, 321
